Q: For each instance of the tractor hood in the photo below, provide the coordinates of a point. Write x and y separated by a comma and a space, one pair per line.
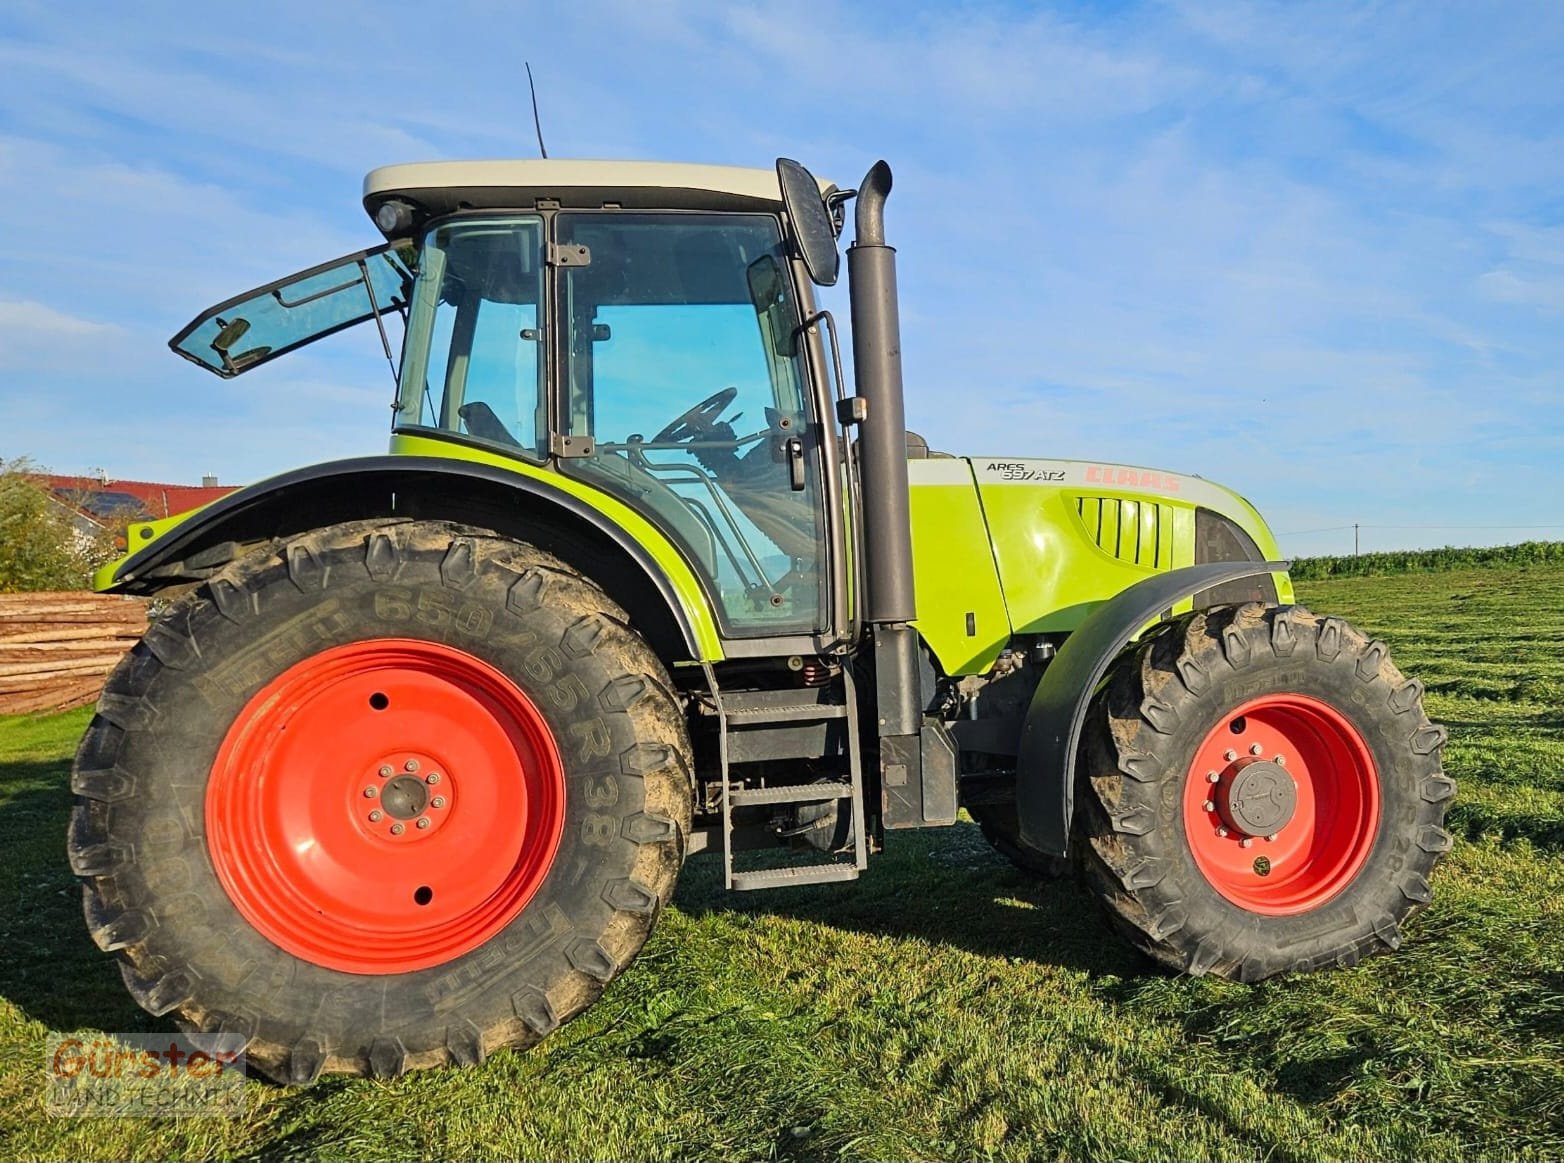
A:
1089, 479
1022, 546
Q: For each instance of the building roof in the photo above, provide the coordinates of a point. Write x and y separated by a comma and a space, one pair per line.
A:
109, 501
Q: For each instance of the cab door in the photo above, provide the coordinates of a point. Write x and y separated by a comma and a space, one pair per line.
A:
686, 391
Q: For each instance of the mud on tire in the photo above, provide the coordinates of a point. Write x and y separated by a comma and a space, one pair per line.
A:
1180, 896
139, 829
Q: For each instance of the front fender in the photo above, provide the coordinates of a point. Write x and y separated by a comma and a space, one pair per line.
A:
1051, 733
571, 520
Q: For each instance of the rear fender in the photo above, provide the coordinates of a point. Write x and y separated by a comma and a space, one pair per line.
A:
1051, 733
634, 564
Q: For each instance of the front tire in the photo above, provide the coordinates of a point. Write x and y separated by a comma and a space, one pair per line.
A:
383, 797
1260, 793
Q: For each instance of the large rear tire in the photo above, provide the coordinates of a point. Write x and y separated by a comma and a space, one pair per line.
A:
383, 797
1260, 793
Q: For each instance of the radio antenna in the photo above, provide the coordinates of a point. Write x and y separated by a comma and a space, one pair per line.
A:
536, 121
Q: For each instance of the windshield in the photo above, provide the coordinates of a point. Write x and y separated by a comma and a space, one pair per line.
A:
260, 325
473, 360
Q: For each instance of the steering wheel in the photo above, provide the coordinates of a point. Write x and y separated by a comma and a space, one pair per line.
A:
698, 420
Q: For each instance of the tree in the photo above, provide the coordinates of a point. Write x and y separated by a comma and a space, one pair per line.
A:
39, 547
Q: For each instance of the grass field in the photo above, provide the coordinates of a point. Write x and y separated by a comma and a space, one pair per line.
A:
944, 1006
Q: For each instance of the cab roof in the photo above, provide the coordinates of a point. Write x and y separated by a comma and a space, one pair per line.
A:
442, 187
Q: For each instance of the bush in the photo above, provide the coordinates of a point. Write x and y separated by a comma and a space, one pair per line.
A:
1428, 560
39, 547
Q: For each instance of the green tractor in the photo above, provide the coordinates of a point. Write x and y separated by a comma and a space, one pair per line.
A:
407, 766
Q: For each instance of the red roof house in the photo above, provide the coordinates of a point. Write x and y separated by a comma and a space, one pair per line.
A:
107, 502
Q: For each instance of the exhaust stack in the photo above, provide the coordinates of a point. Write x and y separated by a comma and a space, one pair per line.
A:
887, 520
889, 603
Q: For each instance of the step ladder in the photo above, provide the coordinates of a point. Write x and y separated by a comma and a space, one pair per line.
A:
767, 723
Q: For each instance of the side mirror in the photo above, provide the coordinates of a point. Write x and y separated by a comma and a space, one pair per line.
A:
230, 334
812, 225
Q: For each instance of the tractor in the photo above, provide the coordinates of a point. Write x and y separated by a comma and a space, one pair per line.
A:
406, 767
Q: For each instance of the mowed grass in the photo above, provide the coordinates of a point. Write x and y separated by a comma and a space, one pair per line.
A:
945, 1006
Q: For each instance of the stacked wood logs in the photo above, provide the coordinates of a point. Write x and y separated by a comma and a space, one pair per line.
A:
56, 649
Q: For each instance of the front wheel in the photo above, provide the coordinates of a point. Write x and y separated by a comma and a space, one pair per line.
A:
386, 796
1260, 792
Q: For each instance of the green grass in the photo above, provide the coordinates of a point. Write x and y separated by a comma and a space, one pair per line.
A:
944, 1006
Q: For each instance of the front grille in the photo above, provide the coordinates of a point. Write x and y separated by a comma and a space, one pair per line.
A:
1137, 532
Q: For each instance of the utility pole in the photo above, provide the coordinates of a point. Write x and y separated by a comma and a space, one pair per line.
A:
1354, 539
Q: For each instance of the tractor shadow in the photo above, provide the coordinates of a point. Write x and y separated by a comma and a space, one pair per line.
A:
944, 886
51, 971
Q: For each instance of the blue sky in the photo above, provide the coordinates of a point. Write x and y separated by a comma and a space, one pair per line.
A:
1315, 252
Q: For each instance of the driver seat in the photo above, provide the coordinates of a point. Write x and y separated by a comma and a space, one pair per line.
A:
485, 425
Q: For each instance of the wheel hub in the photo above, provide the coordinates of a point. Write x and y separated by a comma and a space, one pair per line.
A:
405, 797
1257, 798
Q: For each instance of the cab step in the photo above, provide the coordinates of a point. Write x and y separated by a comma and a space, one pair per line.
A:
799, 874
776, 724
802, 793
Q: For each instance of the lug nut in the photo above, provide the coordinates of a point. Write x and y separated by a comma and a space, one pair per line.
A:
1254, 749
385, 771
423, 821
1281, 761
375, 816
1246, 842
397, 829
437, 802
411, 765
1213, 777
1221, 830
371, 792
1230, 755
1271, 839
1209, 806
432, 778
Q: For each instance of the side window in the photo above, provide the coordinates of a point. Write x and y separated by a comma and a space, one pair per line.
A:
474, 357
502, 379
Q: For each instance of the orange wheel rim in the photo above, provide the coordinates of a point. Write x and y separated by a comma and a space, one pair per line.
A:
385, 806
1281, 804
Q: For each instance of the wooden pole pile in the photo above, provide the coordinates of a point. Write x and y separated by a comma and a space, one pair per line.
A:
57, 648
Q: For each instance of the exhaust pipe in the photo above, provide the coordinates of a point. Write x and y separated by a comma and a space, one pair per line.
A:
887, 519
889, 602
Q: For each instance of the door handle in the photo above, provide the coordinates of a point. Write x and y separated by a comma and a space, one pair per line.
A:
794, 447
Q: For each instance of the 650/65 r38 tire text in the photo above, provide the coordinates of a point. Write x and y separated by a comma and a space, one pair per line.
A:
386, 796
1260, 793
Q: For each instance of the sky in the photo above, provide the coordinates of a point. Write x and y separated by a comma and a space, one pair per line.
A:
1314, 252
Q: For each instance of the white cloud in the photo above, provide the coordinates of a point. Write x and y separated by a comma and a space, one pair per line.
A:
37, 336
22, 317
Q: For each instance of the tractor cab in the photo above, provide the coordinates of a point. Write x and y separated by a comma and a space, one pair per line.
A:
641, 328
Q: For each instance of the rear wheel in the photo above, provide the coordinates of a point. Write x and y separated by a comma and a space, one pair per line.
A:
384, 797
1260, 793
